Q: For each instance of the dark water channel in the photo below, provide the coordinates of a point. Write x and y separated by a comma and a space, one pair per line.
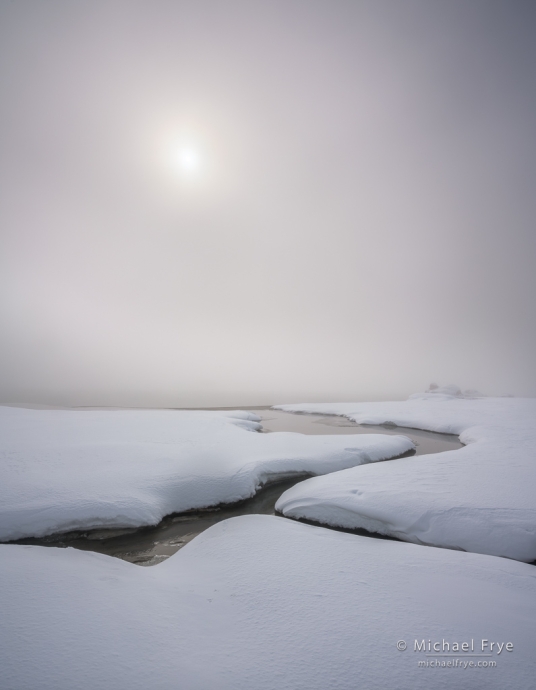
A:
151, 545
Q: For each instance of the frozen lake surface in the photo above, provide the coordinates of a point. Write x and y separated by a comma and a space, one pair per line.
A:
152, 545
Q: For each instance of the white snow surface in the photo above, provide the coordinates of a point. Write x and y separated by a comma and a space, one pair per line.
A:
66, 469
260, 602
480, 498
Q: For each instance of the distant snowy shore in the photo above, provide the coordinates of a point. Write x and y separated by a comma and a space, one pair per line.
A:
480, 498
67, 469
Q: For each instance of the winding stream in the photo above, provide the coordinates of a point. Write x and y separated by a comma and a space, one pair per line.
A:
151, 545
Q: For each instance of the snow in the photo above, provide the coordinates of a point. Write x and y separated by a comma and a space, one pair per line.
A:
480, 498
261, 602
65, 469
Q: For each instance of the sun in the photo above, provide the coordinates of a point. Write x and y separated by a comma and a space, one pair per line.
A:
186, 158
189, 160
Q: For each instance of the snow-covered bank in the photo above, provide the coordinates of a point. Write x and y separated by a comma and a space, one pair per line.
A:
480, 498
64, 469
259, 603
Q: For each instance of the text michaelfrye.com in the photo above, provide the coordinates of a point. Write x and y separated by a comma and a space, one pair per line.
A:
447, 654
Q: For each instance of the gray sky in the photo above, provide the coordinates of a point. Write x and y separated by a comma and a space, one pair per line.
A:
241, 202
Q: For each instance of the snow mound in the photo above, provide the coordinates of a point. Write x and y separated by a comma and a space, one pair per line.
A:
480, 498
434, 392
65, 469
260, 602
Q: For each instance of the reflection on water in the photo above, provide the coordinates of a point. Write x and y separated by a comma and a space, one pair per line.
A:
151, 545
426, 442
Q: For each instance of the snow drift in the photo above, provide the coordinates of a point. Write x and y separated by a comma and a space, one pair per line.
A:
66, 469
480, 498
259, 603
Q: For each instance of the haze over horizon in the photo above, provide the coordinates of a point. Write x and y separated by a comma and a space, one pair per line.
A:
240, 203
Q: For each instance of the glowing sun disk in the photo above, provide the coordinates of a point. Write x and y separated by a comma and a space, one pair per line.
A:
189, 160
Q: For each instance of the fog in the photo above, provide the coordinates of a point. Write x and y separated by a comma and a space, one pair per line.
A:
213, 203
